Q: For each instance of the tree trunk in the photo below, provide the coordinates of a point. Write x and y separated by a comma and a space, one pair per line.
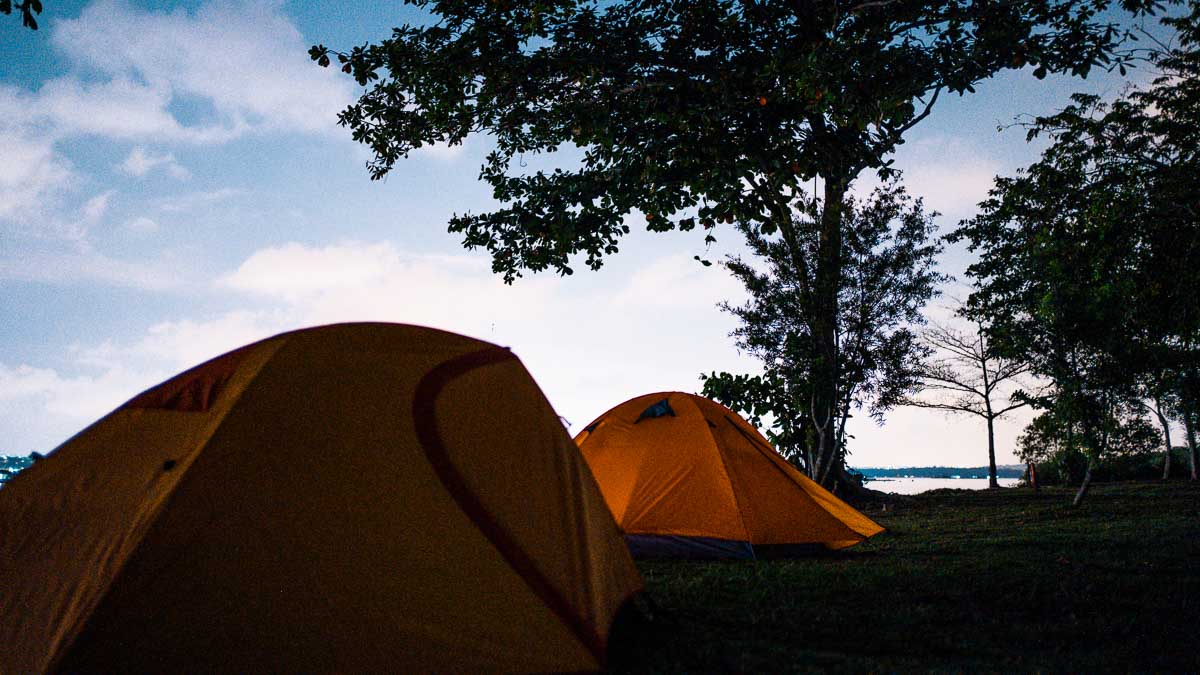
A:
1087, 481
1191, 440
824, 326
992, 482
1166, 427
1095, 448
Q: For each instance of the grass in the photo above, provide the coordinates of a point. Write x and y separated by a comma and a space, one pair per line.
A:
962, 581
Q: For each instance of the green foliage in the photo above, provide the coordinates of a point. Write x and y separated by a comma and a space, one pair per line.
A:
1087, 258
692, 112
1060, 458
27, 9
887, 276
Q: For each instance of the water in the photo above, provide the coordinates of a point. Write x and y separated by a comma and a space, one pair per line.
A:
912, 486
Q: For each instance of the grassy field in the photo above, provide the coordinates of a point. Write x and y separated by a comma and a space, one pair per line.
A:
962, 581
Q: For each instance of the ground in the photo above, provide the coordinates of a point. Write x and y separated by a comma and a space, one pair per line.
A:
1001, 580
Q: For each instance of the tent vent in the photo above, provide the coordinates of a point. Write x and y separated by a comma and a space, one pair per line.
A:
660, 409
591, 427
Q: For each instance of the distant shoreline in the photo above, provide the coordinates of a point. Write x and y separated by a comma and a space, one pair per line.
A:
1002, 471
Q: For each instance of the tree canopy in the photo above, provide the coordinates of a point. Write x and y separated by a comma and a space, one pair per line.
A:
692, 112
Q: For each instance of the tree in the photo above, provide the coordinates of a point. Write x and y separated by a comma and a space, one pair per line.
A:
693, 112
965, 377
1053, 287
1189, 411
887, 276
1160, 395
1087, 257
27, 8
1049, 443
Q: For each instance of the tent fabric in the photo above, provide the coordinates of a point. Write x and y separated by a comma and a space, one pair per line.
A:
690, 548
706, 474
356, 497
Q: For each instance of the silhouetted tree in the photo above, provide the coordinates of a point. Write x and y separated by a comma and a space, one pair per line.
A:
1158, 398
887, 276
964, 376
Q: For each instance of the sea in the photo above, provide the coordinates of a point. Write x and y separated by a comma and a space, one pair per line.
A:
912, 486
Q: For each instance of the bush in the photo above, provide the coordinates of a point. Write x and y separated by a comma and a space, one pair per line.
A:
1069, 470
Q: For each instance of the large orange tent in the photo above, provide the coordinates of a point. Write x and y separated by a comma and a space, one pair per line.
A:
359, 497
688, 477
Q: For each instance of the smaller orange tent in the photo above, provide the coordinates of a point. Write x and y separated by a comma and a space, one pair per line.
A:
688, 477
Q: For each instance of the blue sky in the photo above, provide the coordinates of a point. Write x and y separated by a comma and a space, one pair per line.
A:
174, 185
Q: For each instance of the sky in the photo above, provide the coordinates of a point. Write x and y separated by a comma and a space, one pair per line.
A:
173, 184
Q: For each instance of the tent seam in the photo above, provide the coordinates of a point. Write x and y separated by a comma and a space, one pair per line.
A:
737, 502
424, 413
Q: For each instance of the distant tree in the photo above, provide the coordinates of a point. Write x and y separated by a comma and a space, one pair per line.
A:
1189, 412
1050, 443
693, 112
27, 9
965, 376
1050, 290
888, 275
1158, 399
1190, 425
1087, 258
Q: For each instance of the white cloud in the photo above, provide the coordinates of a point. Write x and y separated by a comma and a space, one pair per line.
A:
228, 68
678, 280
142, 225
191, 200
173, 346
294, 270
355, 281
33, 175
441, 151
123, 109
95, 208
77, 399
141, 161
587, 350
590, 342
950, 173
80, 264
240, 66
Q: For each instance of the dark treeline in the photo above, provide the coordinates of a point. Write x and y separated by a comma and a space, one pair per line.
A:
1002, 471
